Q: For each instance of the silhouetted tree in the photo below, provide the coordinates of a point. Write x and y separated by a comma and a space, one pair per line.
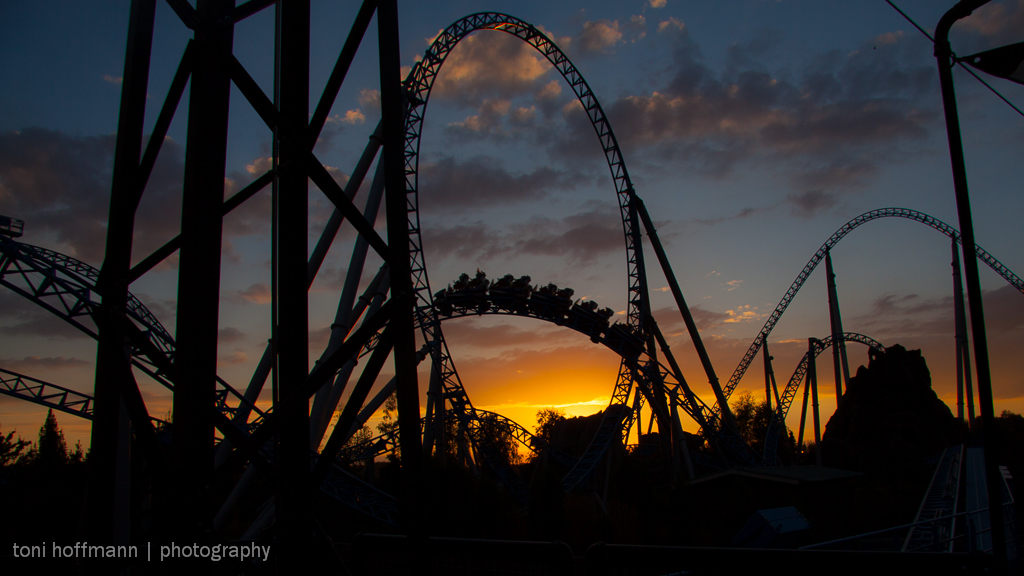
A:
10, 449
753, 418
52, 450
389, 422
547, 419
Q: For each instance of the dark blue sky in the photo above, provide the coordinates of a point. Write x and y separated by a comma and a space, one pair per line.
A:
752, 129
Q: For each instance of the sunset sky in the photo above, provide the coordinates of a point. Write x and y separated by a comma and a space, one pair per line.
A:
752, 129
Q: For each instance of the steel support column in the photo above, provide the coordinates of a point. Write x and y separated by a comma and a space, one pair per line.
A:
107, 463
691, 326
812, 378
292, 498
963, 355
994, 481
842, 367
803, 415
401, 326
199, 264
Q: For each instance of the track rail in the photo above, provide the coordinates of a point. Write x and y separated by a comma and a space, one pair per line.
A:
778, 423
418, 86
67, 287
645, 369
864, 218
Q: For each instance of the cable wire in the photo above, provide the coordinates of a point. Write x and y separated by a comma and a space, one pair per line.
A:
955, 59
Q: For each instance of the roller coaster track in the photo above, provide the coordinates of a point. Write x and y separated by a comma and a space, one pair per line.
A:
864, 218
45, 394
67, 287
418, 86
778, 423
388, 441
618, 337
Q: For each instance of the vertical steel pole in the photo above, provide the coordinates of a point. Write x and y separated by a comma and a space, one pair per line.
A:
958, 310
199, 265
842, 368
803, 413
294, 512
944, 56
771, 374
401, 324
812, 376
101, 525
963, 355
691, 326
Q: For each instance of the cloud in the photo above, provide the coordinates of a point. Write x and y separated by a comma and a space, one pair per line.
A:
115, 80
894, 317
671, 321
670, 24
504, 335
581, 237
636, 27
889, 37
257, 294
22, 318
489, 119
350, 117
998, 24
745, 313
839, 172
598, 37
810, 203
829, 124
1004, 310
233, 358
490, 64
658, 3
353, 117
744, 213
452, 184
60, 185
230, 335
30, 364
369, 98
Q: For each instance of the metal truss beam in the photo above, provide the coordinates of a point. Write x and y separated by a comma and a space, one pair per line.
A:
418, 86
838, 235
778, 422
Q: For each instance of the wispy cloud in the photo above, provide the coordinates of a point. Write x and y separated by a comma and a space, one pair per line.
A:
30, 364
258, 293
580, 237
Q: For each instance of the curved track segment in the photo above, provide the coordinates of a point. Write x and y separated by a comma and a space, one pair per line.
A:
418, 86
620, 338
45, 394
67, 287
864, 218
778, 423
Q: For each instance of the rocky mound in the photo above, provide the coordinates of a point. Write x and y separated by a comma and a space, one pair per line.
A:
889, 415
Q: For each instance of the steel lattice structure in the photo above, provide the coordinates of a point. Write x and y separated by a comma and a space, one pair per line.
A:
45, 277
778, 422
276, 442
46, 394
418, 86
864, 218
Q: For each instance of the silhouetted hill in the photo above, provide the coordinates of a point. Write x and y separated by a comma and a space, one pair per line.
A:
573, 435
889, 415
